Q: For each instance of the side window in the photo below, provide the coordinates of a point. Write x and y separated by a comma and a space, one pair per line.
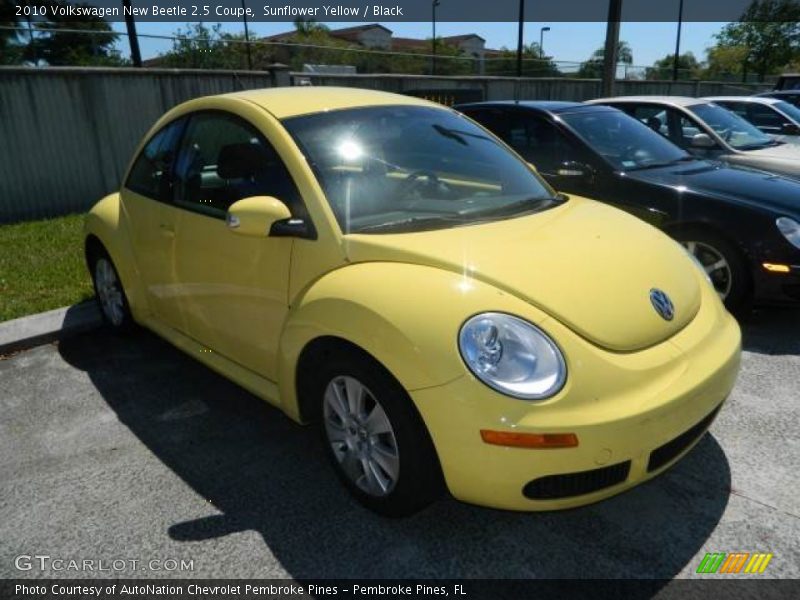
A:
542, 143
534, 139
224, 159
685, 130
654, 117
737, 107
151, 174
764, 117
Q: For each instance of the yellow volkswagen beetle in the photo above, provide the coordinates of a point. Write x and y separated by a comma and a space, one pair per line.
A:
387, 269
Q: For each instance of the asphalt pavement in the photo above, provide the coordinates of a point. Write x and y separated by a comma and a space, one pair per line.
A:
126, 449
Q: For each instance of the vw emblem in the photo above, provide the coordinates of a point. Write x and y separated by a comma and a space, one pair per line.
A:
662, 304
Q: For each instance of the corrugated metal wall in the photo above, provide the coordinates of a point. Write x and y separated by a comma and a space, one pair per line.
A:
67, 134
556, 88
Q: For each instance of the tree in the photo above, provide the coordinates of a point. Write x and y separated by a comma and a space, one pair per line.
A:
534, 64
308, 26
202, 47
770, 31
91, 41
10, 43
724, 62
688, 67
593, 68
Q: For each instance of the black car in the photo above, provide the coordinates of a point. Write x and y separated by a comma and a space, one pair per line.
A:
742, 225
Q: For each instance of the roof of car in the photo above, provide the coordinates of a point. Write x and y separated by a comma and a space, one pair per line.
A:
553, 106
751, 99
778, 93
285, 102
671, 100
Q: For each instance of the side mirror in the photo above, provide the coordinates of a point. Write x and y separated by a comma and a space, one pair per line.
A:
255, 216
790, 129
573, 170
702, 141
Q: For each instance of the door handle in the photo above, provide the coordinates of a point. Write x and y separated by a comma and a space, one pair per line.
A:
167, 229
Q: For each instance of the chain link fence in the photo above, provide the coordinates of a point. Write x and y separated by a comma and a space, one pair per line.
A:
216, 50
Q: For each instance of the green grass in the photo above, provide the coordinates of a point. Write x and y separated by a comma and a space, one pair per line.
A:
42, 266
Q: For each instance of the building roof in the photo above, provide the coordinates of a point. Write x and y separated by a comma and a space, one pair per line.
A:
403, 43
462, 38
359, 28
286, 102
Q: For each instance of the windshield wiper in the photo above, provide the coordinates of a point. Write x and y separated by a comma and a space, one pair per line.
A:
457, 135
531, 204
409, 221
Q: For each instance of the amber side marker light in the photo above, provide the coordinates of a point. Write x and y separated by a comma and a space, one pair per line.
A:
529, 440
776, 268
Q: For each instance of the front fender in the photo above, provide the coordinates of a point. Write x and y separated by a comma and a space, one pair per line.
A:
106, 223
406, 316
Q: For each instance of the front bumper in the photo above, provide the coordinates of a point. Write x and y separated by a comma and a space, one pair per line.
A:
777, 288
634, 415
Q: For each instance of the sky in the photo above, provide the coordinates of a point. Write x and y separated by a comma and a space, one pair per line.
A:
564, 42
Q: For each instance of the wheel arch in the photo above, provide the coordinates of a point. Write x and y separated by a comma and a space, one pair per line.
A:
105, 231
744, 251
368, 306
676, 227
320, 348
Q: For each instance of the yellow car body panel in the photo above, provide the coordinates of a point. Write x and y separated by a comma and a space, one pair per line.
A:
621, 407
542, 258
105, 223
634, 380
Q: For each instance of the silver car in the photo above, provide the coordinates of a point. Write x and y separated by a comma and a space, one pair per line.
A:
773, 116
710, 131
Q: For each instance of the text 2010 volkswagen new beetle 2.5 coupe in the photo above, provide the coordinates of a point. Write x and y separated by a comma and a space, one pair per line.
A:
387, 269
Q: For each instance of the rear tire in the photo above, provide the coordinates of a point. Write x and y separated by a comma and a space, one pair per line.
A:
373, 435
724, 264
109, 293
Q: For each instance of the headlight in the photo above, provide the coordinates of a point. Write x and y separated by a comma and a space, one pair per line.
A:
512, 356
790, 230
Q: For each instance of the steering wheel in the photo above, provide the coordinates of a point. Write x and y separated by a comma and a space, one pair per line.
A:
726, 134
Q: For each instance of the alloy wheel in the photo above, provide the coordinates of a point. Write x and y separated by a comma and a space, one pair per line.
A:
109, 291
361, 436
715, 265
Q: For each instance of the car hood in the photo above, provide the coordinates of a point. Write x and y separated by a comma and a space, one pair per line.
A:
590, 266
749, 186
782, 151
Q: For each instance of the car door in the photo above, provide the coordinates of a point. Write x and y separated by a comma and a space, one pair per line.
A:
233, 288
151, 216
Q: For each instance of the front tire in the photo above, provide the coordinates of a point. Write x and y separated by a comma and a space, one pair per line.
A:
724, 265
109, 293
374, 436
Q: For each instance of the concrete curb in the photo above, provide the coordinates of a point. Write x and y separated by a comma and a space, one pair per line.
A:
45, 327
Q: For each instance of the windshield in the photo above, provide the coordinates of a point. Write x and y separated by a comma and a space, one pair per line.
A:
731, 127
622, 140
412, 168
790, 110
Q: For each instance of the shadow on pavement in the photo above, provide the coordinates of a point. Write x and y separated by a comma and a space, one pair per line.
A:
772, 331
266, 474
